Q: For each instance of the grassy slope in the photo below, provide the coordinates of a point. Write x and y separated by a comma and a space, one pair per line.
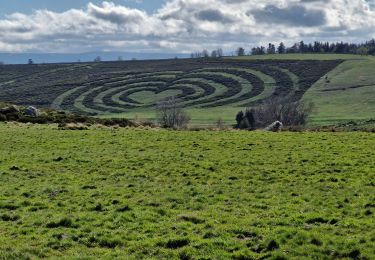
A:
339, 105
343, 102
157, 194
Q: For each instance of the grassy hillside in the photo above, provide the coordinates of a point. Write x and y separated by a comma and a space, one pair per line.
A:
209, 89
348, 93
156, 194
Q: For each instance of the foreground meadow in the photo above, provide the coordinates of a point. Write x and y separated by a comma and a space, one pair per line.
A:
136, 194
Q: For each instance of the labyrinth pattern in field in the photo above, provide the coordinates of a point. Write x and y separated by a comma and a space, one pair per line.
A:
116, 87
198, 88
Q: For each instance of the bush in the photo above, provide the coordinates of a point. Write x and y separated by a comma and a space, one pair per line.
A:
239, 118
287, 111
171, 115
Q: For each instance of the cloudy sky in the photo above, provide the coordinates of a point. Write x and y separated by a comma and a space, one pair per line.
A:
177, 25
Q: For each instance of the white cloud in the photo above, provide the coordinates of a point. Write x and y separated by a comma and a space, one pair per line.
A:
187, 25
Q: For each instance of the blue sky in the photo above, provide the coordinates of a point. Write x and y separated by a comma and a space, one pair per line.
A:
27, 6
184, 26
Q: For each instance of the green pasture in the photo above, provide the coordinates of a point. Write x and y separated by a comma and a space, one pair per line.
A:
156, 194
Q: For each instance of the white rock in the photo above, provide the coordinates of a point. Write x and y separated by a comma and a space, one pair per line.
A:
276, 126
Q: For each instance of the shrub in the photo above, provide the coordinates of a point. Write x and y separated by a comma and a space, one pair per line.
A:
249, 115
285, 110
171, 115
239, 118
245, 120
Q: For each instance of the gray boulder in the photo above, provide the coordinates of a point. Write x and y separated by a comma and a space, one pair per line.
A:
32, 111
276, 126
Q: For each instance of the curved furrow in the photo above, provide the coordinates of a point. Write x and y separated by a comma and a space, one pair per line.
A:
105, 100
200, 88
219, 89
114, 82
269, 87
89, 101
207, 88
230, 87
67, 99
123, 96
257, 86
243, 87
284, 84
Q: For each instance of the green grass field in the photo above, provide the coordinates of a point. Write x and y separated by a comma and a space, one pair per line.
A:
157, 194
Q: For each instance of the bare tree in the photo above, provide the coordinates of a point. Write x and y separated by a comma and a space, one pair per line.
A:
196, 55
214, 54
220, 124
219, 52
171, 115
205, 54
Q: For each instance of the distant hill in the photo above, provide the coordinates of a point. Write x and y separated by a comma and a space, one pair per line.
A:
22, 58
342, 87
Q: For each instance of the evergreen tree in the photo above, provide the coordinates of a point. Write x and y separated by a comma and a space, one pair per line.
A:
366, 48
281, 49
271, 49
249, 115
240, 51
239, 118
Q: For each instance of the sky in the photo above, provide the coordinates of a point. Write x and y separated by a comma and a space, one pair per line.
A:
28, 6
183, 26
